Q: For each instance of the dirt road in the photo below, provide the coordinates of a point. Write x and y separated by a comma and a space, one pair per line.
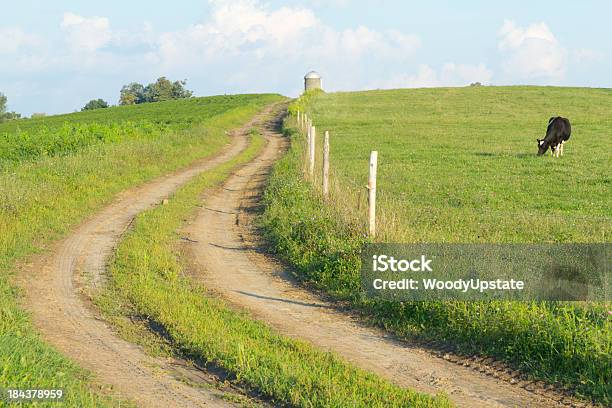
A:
54, 286
224, 254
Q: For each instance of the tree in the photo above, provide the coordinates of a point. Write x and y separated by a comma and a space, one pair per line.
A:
11, 116
165, 90
179, 91
160, 90
132, 94
4, 115
2, 103
95, 104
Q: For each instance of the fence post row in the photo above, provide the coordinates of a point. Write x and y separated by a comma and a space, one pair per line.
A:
326, 165
303, 119
372, 193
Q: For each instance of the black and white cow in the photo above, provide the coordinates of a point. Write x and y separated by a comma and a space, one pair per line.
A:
557, 133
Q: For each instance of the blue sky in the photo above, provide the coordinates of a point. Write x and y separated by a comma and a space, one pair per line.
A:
56, 55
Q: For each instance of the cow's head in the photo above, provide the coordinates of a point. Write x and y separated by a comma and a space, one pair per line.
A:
542, 146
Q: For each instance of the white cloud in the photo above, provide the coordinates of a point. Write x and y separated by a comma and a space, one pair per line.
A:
356, 42
90, 47
463, 74
584, 55
13, 39
450, 74
236, 27
368, 43
250, 28
248, 21
531, 52
86, 33
408, 43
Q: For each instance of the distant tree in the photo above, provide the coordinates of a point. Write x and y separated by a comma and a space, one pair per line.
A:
475, 84
4, 115
3, 101
132, 94
95, 104
179, 91
12, 116
38, 115
165, 90
160, 90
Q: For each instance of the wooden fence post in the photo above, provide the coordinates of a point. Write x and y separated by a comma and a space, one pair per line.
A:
372, 193
312, 150
326, 165
298, 117
308, 143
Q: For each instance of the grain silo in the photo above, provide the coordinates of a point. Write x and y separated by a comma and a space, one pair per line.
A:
312, 80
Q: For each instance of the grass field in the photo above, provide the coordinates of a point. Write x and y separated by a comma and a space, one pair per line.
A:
43, 196
28, 139
458, 165
181, 113
148, 278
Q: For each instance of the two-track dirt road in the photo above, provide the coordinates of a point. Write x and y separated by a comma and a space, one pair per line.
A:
224, 249
53, 286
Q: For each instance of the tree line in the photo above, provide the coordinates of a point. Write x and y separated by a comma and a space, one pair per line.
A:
135, 93
158, 91
131, 94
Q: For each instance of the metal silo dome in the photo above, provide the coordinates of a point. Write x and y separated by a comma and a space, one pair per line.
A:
312, 75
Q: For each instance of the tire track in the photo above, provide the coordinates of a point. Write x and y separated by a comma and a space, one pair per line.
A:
55, 283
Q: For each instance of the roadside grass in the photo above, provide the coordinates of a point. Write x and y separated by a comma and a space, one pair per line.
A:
457, 165
42, 199
148, 275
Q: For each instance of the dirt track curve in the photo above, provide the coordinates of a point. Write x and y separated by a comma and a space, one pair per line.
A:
223, 250
54, 286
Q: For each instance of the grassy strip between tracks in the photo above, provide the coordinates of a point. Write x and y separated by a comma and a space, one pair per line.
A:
557, 341
148, 276
41, 200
